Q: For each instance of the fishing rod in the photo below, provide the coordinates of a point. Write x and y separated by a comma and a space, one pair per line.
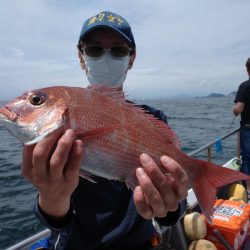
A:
231, 124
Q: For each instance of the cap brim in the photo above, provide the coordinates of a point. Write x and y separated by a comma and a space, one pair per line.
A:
105, 26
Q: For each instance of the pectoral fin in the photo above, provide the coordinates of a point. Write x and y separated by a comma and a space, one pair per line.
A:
95, 133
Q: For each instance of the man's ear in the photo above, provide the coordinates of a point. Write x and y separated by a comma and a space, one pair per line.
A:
131, 61
81, 59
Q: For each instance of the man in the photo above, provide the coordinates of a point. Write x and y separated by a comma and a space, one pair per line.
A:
105, 214
242, 106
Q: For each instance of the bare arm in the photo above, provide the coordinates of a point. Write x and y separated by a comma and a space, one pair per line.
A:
238, 108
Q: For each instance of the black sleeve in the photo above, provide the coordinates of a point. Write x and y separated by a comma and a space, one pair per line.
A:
173, 217
241, 94
51, 222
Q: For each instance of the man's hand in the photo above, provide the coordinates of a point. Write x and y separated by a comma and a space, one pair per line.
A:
159, 193
52, 166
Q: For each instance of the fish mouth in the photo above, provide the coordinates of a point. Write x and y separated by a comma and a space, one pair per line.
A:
9, 119
7, 113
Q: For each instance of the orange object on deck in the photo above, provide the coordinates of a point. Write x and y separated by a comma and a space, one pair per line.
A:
231, 222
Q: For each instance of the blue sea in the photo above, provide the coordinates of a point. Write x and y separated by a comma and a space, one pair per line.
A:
197, 121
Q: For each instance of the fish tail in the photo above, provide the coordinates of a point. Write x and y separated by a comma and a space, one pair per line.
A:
205, 180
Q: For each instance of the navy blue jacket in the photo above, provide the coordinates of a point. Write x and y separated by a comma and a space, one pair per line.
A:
103, 214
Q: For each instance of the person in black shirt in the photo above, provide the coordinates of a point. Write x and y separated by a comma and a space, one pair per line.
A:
242, 107
105, 214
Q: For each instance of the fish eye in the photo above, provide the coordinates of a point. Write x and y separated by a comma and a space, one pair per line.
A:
37, 99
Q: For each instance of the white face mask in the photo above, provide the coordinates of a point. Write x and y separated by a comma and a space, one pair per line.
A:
106, 69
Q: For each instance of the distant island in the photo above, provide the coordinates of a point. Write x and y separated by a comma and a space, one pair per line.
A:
212, 95
218, 95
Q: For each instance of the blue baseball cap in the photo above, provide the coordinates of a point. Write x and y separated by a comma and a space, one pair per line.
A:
107, 19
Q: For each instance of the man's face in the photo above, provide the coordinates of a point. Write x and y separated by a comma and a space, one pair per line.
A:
105, 38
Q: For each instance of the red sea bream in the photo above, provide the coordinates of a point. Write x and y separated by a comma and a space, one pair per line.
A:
114, 132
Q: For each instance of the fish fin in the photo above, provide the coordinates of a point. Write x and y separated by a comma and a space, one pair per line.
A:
117, 95
166, 130
110, 91
205, 181
130, 186
86, 175
170, 136
95, 133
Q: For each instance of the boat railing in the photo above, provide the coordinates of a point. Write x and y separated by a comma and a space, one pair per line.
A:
192, 200
208, 146
25, 244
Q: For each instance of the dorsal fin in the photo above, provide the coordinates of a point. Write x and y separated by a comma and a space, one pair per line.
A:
170, 135
163, 127
110, 91
117, 95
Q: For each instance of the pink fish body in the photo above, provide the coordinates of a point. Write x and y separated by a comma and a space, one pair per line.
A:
114, 132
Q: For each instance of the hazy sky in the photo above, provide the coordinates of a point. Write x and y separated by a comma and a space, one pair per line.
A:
192, 47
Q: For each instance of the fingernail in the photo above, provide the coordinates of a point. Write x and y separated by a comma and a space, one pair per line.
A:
79, 143
165, 159
69, 132
79, 146
145, 158
139, 172
138, 189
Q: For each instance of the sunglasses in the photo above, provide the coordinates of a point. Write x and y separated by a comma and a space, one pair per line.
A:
97, 51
